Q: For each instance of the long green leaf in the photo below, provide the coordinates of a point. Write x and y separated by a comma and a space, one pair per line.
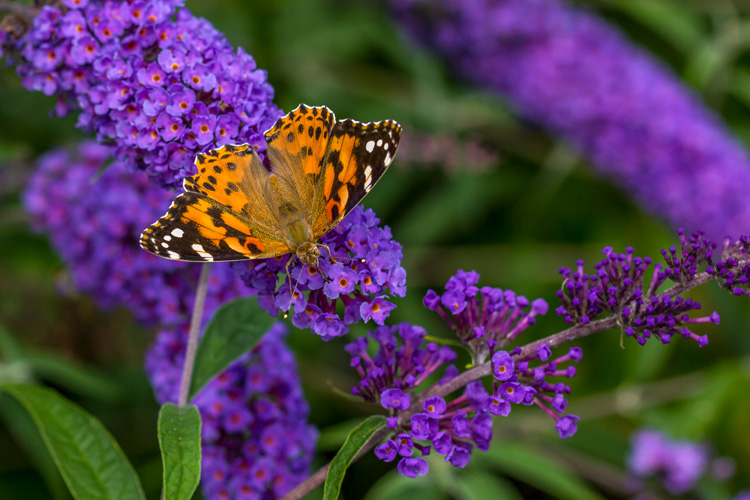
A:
87, 456
180, 443
536, 469
26, 434
359, 437
235, 329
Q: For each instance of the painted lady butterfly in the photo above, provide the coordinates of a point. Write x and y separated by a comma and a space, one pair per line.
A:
235, 209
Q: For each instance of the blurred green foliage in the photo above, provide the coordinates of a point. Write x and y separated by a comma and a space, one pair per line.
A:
530, 206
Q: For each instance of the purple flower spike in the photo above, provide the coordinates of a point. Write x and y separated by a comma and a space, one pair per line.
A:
103, 57
483, 318
579, 77
103, 256
679, 464
620, 287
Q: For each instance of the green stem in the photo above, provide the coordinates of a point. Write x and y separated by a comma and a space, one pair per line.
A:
192, 344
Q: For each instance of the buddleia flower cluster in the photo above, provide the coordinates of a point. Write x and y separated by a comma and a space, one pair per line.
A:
623, 285
361, 272
678, 466
397, 377
568, 70
256, 442
147, 75
486, 319
93, 219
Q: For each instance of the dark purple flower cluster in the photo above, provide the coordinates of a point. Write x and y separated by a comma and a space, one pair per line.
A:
483, 318
451, 427
618, 287
733, 271
401, 364
256, 440
571, 72
486, 319
520, 383
146, 74
367, 268
94, 221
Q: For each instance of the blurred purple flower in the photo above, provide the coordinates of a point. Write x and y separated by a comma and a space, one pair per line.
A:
680, 463
94, 224
576, 75
123, 63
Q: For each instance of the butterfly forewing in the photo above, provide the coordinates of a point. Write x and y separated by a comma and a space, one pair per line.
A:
296, 146
357, 156
199, 229
223, 215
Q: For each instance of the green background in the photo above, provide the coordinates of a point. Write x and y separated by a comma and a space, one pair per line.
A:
499, 196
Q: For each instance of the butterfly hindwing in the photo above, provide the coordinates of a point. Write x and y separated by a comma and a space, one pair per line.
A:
357, 156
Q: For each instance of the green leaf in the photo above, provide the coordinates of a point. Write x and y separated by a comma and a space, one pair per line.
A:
180, 443
534, 468
359, 437
235, 329
26, 434
87, 456
479, 484
73, 377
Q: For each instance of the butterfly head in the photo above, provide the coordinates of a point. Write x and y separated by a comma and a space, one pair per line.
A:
308, 253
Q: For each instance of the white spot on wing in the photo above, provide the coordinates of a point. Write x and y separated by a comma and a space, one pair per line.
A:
368, 179
380, 142
387, 159
173, 255
370, 146
164, 244
200, 251
167, 237
177, 232
385, 146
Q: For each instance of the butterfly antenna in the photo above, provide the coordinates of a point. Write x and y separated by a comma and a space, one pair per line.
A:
295, 288
334, 259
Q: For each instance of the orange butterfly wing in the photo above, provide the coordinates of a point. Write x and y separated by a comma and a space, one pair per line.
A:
224, 214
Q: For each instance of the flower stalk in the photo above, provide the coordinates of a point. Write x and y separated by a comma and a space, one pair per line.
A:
194, 332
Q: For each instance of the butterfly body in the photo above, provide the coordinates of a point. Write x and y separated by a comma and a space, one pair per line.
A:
236, 209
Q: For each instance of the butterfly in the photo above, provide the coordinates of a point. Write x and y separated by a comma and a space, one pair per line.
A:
236, 209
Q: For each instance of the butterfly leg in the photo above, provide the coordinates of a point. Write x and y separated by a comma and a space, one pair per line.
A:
330, 254
289, 276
